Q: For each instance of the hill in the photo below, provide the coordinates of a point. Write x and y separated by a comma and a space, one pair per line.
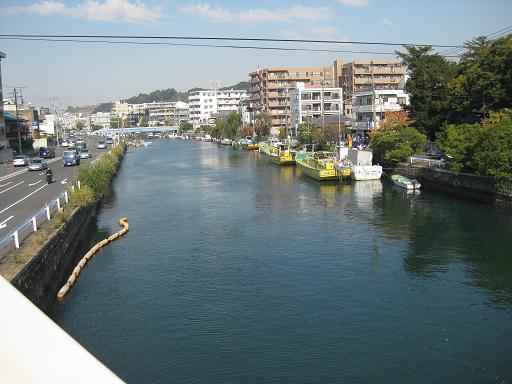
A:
243, 85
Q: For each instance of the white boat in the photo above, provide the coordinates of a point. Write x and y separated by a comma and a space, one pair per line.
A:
366, 172
207, 138
225, 142
145, 143
405, 182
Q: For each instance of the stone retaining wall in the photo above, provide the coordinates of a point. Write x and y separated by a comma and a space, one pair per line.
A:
464, 184
41, 278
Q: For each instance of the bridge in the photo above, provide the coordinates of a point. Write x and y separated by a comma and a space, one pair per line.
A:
122, 131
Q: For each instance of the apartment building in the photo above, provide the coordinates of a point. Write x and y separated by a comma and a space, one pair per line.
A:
4, 143
157, 112
270, 89
313, 103
365, 103
360, 76
206, 105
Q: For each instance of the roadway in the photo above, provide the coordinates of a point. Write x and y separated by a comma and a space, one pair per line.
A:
23, 193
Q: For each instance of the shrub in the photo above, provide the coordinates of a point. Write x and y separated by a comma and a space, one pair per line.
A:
81, 197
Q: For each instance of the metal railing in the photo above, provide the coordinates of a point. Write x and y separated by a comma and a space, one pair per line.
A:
14, 240
426, 161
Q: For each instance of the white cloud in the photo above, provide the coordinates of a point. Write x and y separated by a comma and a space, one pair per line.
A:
109, 10
293, 13
387, 22
354, 3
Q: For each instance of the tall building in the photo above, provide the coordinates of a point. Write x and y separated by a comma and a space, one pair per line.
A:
4, 143
366, 104
157, 112
206, 105
270, 89
312, 103
360, 76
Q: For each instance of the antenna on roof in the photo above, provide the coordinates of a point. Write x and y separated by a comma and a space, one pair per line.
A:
215, 85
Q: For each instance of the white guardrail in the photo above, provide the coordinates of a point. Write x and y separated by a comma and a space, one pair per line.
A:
20, 234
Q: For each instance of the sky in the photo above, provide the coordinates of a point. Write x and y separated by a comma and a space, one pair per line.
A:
89, 73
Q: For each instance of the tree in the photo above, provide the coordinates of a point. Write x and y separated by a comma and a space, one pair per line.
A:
430, 75
305, 133
459, 143
113, 123
79, 124
395, 141
229, 126
185, 126
262, 126
143, 122
493, 154
484, 78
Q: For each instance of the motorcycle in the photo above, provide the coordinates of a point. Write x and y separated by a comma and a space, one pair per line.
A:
49, 177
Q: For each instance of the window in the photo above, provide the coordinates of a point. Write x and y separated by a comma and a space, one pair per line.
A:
401, 100
368, 101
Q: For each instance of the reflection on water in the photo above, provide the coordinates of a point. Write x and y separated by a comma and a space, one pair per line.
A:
238, 270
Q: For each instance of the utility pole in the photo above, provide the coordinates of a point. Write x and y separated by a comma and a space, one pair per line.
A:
17, 121
322, 101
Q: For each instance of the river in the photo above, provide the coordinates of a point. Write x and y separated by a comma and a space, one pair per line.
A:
236, 270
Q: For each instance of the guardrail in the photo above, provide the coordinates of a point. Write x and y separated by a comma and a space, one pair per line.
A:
14, 240
427, 161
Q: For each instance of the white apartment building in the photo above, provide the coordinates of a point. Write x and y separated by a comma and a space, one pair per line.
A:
206, 105
157, 112
101, 119
312, 103
365, 103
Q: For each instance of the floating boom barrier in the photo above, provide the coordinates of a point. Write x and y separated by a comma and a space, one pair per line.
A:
81, 264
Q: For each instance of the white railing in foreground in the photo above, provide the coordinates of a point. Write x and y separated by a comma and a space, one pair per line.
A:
16, 237
36, 350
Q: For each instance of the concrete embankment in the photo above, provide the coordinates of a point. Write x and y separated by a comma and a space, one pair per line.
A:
464, 185
41, 278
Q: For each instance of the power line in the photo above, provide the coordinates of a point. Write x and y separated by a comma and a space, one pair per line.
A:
196, 45
209, 38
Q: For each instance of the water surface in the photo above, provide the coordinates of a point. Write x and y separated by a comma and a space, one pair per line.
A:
239, 271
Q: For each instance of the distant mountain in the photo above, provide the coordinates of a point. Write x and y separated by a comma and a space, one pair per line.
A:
243, 85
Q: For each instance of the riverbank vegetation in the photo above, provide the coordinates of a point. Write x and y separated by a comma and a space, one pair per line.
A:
462, 106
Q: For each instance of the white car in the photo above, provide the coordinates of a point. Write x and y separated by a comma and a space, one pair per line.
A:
20, 161
64, 143
84, 153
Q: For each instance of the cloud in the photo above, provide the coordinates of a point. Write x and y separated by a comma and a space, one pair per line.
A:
315, 32
354, 3
109, 10
293, 13
387, 22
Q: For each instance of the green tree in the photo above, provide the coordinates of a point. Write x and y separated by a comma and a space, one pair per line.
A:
430, 75
143, 122
493, 154
459, 143
395, 141
229, 127
305, 133
484, 78
262, 126
185, 126
79, 124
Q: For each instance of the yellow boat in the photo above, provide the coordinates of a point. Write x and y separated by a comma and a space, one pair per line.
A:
248, 143
318, 165
280, 154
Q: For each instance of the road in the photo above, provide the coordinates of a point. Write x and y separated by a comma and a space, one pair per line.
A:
23, 193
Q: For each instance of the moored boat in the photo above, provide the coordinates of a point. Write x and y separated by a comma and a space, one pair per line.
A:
366, 172
225, 142
280, 154
405, 182
317, 165
248, 143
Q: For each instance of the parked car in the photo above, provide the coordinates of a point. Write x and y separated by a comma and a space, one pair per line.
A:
37, 164
64, 143
46, 152
84, 153
21, 161
102, 144
71, 144
70, 158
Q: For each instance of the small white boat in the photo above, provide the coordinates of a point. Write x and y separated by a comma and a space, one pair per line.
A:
405, 182
225, 142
